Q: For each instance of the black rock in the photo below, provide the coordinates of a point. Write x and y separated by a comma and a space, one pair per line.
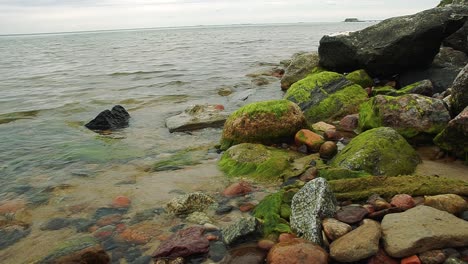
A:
109, 120
105, 211
394, 45
217, 251
459, 39
224, 209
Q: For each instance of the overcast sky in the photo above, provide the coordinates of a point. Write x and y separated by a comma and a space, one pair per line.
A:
34, 16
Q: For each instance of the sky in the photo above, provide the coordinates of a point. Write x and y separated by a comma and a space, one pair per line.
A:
42, 16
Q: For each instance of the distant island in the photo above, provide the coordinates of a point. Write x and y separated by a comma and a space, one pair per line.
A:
353, 19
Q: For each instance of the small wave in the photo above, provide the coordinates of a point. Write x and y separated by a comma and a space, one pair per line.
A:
134, 73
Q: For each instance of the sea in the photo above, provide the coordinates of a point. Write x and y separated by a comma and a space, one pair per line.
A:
51, 166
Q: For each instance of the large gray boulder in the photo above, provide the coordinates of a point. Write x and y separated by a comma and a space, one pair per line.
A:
458, 40
309, 206
421, 229
300, 67
459, 99
394, 45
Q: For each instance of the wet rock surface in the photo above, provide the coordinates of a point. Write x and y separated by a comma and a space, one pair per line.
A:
197, 117
186, 242
115, 118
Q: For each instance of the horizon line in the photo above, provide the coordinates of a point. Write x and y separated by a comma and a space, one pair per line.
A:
176, 27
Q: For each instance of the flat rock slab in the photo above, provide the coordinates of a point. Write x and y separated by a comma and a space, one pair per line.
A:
197, 117
421, 229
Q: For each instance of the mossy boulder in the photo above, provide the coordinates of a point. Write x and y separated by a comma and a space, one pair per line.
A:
300, 66
423, 87
379, 151
330, 173
265, 122
384, 90
360, 77
262, 163
269, 211
410, 114
454, 137
325, 96
360, 189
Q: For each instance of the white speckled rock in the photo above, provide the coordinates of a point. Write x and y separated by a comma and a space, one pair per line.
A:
420, 229
358, 244
309, 206
243, 227
189, 203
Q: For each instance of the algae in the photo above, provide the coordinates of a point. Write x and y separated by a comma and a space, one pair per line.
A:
178, 160
361, 78
268, 211
330, 173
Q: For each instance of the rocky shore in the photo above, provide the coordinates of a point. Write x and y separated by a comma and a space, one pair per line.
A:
326, 174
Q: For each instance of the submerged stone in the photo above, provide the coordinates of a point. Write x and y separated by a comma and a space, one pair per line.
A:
189, 203
115, 118
240, 229
184, 243
379, 151
84, 249
197, 117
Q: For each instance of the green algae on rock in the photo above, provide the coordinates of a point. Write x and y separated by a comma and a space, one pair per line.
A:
454, 137
360, 189
379, 151
269, 210
265, 122
330, 173
360, 77
183, 158
300, 67
410, 114
384, 90
326, 95
423, 87
258, 162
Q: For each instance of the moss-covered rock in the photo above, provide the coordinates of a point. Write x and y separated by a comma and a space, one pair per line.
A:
384, 90
300, 67
454, 137
260, 162
379, 151
423, 87
360, 189
326, 95
263, 122
410, 114
268, 211
360, 77
330, 173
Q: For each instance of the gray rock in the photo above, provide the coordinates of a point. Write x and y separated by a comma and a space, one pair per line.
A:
459, 97
197, 117
382, 49
459, 39
453, 137
453, 260
243, 227
300, 66
309, 206
423, 87
421, 229
442, 72
189, 203
410, 115
358, 244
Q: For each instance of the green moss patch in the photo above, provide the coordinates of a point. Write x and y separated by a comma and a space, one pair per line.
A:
330, 173
360, 189
361, 78
181, 159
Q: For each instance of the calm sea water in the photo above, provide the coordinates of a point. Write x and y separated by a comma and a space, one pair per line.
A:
51, 85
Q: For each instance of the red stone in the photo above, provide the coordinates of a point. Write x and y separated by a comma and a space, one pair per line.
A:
312, 140
332, 135
297, 251
411, 260
286, 237
109, 220
351, 214
121, 202
211, 237
184, 243
246, 207
382, 258
219, 107
349, 122
237, 189
12, 206
403, 201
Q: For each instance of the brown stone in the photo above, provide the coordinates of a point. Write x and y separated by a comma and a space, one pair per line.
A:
245, 254
451, 203
121, 202
247, 207
328, 150
312, 140
265, 244
404, 201
286, 237
432, 257
94, 255
309, 174
379, 215
351, 214
378, 202
349, 122
335, 229
332, 135
382, 258
297, 251
237, 189
184, 243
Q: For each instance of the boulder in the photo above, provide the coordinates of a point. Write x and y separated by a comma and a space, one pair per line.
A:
299, 68
261, 163
326, 95
451, 203
410, 115
379, 151
453, 137
361, 243
265, 122
420, 229
382, 50
459, 99
297, 251
197, 117
335, 229
184, 243
112, 119
361, 188
309, 206
189, 203
442, 72
241, 228
459, 39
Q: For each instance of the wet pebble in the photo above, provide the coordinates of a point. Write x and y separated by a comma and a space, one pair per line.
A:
309, 174
224, 209
56, 224
121, 202
82, 224
143, 216
109, 220
104, 232
452, 260
104, 211
379, 215
432, 257
238, 189
217, 251
265, 244
378, 202
351, 214
403, 201
247, 207
245, 254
